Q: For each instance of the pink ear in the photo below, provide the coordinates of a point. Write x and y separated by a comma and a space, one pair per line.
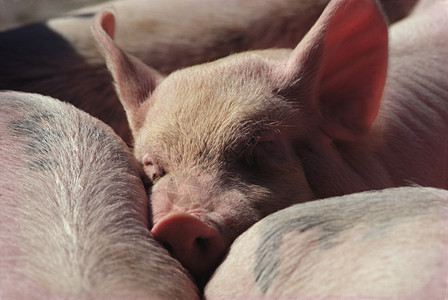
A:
134, 81
343, 61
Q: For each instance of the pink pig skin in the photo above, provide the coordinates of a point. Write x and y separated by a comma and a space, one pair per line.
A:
63, 61
390, 244
231, 141
74, 211
58, 57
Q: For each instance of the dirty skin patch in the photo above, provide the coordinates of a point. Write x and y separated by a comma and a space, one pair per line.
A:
377, 213
267, 254
40, 137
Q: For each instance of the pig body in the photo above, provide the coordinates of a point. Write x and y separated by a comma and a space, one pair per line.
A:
229, 142
372, 245
74, 217
167, 35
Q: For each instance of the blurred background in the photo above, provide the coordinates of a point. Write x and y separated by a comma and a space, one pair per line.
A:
14, 13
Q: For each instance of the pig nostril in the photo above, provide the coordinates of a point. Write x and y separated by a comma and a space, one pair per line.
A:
167, 246
195, 244
201, 243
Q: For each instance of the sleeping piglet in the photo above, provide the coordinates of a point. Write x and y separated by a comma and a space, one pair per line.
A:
74, 212
231, 141
388, 244
165, 34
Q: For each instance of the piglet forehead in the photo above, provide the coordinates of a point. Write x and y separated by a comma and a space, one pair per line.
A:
207, 109
240, 78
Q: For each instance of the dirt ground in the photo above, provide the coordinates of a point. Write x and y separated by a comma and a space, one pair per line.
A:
14, 13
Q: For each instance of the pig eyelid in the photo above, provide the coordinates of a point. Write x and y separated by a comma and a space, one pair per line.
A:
248, 146
244, 148
152, 168
247, 151
251, 143
257, 138
157, 176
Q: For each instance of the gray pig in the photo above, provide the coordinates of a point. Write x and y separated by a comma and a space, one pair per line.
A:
389, 244
74, 211
229, 142
58, 57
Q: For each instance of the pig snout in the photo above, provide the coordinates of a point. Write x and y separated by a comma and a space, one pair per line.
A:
197, 245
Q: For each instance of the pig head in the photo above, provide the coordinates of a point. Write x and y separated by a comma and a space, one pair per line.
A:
231, 141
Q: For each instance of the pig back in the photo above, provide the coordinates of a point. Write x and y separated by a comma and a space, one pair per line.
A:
414, 111
74, 211
390, 243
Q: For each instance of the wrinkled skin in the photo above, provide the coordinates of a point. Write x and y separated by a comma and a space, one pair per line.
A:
389, 244
167, 35
229, 142
74, 217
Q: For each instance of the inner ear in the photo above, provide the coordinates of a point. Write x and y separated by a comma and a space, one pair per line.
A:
107, 21
340, 66
134, 80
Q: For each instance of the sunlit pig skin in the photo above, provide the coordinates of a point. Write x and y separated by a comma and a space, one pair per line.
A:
58, 57
231, 141
74, 217
389, 244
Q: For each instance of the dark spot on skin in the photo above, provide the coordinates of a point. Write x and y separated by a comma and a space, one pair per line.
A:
267, 256
43, 164
43, 142
98, 135
378, 213
40, 138
22, 128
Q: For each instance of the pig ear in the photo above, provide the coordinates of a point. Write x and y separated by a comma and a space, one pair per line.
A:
134, 81
343, 63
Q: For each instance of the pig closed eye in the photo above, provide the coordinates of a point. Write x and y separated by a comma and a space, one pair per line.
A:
156, 175
152, 169
247, 152
264, 154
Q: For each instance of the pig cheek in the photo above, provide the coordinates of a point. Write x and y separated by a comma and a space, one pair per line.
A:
283, 175
234, 213
160, 201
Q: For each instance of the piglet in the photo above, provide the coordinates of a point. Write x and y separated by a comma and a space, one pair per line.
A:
231, 141
389, 244
58, 57
74, 212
